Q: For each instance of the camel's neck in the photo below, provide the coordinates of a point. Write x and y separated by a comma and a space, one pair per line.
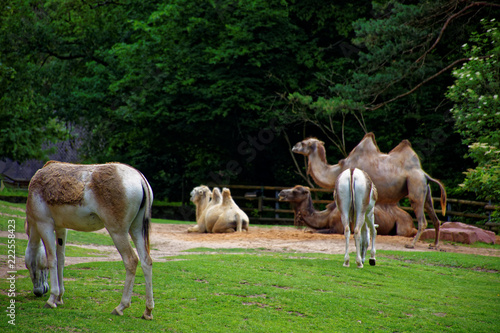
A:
306, 214
200, 208
323, 174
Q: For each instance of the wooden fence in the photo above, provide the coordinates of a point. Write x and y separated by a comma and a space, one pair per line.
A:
262, 205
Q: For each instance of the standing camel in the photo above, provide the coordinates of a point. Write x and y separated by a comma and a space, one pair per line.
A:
65, 196
396, 175
355, 196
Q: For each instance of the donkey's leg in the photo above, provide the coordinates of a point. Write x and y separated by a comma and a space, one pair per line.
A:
61, 246
370, 222
358, 231
429, 209
365, 241
130, 261
49, 240
146, 265
347, 234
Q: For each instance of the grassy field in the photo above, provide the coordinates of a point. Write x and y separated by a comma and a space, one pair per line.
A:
256, 291
252, 290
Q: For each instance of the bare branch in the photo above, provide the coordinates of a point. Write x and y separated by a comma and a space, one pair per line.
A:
462, 12
456, 62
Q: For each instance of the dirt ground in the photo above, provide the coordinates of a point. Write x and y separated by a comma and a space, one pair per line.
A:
171, 240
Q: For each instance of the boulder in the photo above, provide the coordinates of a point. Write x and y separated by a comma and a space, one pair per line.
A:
460, 233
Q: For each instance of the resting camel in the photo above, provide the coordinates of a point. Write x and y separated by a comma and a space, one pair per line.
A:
87, 198
201, 197
325, 221
396, 175
391, 219
355, 196
226, 216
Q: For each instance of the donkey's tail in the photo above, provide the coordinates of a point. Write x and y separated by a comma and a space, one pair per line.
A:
352, 208
443, 192
147, 202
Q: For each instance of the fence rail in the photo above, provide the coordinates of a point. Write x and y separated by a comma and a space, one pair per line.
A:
262, 205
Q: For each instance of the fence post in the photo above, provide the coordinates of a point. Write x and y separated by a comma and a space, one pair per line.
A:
276, 205
448, 208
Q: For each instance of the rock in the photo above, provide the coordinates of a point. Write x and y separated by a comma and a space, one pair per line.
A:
460, 233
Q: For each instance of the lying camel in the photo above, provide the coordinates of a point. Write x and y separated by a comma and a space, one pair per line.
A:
201, 197
216, 212
325, 221
391, 219
226, 216
355, 196
396, 175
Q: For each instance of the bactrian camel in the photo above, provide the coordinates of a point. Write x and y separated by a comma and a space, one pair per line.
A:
390, 221
65, 196
355, 196
396, 175
201, 197
218, 215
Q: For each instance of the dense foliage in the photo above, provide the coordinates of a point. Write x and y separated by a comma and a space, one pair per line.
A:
477, 110
215, 91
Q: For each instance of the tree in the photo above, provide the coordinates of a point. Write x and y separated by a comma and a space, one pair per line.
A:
398, 80
477, 110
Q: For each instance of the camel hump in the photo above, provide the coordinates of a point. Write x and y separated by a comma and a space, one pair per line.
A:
368, 145
403, 145
50, 162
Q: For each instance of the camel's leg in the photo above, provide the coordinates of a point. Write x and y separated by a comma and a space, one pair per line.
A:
221, 226
61, 247
370, 222
417, 192
146, 265
429, 209
49, 240
196, 228
130, 261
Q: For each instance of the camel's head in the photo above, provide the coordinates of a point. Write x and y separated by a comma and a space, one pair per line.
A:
200, 193
296, 194
307, 146
36, 262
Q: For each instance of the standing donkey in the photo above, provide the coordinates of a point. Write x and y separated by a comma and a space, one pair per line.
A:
87, 198
355, 196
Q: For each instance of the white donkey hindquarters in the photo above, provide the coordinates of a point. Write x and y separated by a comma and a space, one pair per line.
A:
355, 196
87, 198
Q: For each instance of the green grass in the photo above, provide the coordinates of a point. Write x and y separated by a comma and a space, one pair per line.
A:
269, 292
71, 251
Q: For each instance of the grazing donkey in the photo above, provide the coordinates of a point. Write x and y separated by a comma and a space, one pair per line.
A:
87, 198
355, 196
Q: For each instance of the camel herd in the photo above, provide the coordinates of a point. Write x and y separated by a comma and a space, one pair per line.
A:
367, 187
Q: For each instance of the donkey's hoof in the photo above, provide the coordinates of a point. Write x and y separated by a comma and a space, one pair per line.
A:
372, 262
50, 305
346, 264
147, 315
117, 312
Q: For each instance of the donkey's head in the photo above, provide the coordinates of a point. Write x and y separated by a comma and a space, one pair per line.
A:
36, 263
